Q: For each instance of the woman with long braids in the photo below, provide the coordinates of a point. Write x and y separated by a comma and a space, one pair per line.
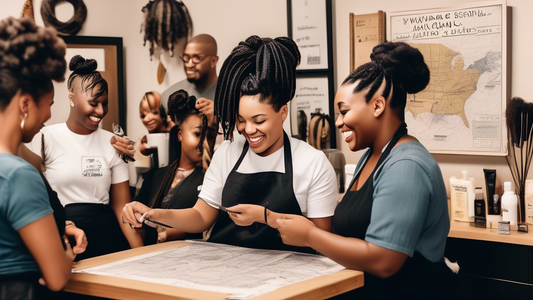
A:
393, 221
265, 172
83, 168
31, 246
177, 186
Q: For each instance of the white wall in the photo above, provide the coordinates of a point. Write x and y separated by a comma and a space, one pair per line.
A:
231, 21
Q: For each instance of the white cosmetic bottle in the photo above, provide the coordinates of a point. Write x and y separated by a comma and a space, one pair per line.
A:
509, 204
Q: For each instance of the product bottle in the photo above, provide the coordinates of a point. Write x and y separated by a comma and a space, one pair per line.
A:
480, 218
509, 204
462, 198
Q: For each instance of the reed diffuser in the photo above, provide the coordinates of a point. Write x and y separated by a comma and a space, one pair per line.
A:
519, 120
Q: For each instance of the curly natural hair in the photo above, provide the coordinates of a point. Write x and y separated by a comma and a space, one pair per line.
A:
165, 22
30, 58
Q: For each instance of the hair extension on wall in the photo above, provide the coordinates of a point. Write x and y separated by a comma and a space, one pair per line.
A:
30, 57
72, 26
165, 22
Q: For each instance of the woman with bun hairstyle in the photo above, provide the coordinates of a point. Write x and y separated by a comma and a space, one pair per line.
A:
177, 186
31, 246
393, 221
264, 171
83, 168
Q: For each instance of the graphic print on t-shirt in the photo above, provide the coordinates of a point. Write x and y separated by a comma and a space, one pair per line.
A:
91, 166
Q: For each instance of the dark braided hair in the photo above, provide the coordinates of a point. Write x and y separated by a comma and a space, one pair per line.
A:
30, 58
257, 65
400, 65
180, 107
86, 70
165, 22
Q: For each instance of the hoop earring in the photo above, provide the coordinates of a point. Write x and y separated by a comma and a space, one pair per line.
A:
23, 120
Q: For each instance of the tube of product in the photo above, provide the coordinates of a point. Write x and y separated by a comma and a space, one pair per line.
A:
490, 182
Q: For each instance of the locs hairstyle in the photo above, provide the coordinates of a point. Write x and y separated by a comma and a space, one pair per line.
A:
180, 107
257, 65
165, 22
86, 70
400, 65
30, 58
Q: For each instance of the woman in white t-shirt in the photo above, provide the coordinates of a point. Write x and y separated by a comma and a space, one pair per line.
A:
264, 173
91, 180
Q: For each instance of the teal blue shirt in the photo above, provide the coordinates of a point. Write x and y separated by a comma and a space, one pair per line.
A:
23, 200
410, 208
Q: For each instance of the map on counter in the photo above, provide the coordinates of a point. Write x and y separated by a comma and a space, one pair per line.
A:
462, 109
241, 272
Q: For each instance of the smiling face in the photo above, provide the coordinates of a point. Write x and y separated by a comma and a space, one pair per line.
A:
356, 119
87, 111
189, 136
151, 115
198, 73
261, 125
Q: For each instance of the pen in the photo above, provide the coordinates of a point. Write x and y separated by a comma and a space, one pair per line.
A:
220, 207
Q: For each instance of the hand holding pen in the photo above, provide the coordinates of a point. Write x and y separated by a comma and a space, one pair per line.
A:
247, 214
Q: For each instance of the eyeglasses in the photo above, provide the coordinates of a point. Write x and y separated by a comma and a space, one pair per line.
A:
196, 59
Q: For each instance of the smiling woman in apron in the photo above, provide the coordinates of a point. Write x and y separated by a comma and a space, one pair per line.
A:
92, 182
266, 168
393, 221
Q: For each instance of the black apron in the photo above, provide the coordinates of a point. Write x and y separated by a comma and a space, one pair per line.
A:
418, 278
184, 195
102, 230
271, 189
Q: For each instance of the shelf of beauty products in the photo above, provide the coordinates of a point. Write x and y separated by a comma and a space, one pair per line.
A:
464, 230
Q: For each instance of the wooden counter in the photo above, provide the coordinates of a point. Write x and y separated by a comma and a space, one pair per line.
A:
463, 230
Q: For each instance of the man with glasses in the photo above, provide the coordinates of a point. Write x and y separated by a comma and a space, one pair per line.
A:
200, 66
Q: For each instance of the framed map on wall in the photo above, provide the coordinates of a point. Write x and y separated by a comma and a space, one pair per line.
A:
462, 110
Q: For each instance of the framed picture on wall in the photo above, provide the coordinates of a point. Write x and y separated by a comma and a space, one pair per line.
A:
108, 53
308, 19
310, 26
462, 109
312, 97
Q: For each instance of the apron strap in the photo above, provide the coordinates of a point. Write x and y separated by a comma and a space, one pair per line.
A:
400, 132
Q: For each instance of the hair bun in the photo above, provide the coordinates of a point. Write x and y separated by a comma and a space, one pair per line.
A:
404, 63
180, 103
80, 65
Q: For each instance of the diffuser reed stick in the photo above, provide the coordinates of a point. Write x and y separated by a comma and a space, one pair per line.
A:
519, 120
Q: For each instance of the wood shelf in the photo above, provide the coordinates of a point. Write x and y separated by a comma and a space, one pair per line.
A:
465, 231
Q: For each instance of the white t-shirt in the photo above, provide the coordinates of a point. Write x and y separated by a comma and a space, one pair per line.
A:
314, 180
80, 168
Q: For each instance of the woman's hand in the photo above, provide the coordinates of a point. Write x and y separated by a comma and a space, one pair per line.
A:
294, 230
135, 212
79, 236
207, 107
247, 214
123, 145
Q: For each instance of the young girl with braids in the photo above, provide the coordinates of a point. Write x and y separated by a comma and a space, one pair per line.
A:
30, 246
266, 171
177, 186
91, 180
393, 221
